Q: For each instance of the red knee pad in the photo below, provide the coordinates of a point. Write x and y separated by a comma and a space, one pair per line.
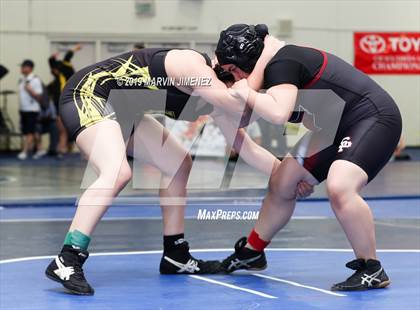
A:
256, 242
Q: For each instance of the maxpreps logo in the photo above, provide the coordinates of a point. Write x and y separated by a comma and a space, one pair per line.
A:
377, 44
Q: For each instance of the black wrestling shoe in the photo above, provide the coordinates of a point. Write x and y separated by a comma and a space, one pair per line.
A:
369, 275
244, 258
66, 269
180, 261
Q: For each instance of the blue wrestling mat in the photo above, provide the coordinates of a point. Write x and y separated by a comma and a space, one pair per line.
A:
295, 279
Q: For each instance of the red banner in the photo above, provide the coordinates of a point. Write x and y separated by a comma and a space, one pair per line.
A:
387, 52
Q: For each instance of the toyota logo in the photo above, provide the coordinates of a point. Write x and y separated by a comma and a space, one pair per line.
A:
372, 44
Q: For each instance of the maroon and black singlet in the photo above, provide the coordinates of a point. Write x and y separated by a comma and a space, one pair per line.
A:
370, 125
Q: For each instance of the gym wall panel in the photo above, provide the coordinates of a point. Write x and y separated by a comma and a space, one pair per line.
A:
14, 15
325, 24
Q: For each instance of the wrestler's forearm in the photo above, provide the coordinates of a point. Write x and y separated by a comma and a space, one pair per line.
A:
253, 154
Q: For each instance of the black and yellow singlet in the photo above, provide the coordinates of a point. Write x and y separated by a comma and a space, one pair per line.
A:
84, 98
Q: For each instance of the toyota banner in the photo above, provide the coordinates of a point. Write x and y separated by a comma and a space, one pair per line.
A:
387, 52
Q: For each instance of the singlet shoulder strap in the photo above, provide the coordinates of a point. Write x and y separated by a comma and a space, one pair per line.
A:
157, 63
321, 70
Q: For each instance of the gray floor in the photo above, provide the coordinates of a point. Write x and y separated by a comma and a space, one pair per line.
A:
49, 178
46, 238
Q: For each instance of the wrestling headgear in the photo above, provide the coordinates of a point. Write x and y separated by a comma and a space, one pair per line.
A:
241, 45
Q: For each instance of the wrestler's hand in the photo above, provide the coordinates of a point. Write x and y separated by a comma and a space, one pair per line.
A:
241, 84
77, 47
304, 189
240, 90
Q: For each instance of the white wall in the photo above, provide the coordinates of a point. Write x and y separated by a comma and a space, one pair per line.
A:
27, 28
